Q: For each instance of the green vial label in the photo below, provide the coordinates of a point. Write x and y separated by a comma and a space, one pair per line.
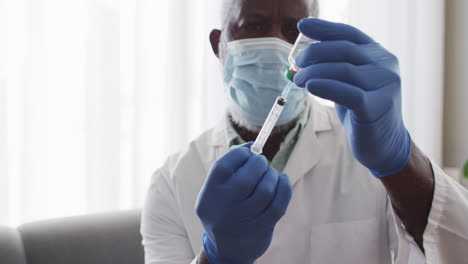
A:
290, 75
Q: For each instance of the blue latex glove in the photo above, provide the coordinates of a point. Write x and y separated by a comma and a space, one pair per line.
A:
362, 78
239, 205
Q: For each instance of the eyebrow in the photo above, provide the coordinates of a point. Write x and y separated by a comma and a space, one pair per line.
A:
265, 15
253, 14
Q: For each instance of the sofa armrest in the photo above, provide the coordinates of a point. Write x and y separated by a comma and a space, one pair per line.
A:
104, 238
11, 247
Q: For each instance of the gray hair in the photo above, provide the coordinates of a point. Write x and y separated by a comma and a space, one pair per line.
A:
228, 4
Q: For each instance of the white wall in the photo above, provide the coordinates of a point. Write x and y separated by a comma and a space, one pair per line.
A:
3, 153
456, 82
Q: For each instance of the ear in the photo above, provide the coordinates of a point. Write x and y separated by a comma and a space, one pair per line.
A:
215, 36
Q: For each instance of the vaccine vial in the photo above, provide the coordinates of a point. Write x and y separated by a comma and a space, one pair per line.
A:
301, 42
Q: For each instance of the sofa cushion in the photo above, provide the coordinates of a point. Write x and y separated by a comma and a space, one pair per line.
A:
11, 248
96, 239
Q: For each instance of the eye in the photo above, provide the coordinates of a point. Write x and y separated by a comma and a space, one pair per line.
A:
291, 32
253, 27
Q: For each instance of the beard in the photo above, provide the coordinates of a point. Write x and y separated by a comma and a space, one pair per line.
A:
237, 120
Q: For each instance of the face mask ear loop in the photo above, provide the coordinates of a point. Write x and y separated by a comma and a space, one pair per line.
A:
223, 50
222, 42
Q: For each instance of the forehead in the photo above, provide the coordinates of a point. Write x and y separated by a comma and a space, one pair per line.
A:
285, 8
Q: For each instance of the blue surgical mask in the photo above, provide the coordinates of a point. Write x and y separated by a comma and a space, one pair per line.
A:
254, 77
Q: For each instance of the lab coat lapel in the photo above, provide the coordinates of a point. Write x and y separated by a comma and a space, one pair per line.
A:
218, 142
307, 151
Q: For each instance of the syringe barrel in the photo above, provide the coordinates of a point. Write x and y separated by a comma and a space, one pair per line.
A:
268, 126
301, 42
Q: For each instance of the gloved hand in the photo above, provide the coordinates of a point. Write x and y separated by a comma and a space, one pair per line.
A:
362, 78
239, 206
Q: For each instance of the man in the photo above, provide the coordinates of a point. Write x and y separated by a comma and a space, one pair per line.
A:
355, 188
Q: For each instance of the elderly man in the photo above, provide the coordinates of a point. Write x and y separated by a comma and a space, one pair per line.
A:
355, 188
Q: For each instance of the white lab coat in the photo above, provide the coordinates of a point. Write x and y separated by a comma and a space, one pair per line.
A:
339, 213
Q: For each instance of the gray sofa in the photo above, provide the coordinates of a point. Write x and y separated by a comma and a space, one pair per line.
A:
104, 239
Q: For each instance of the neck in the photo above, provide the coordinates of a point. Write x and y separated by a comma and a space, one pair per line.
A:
274, 141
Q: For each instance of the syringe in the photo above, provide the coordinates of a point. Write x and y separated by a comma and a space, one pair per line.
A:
275, 112
270, 122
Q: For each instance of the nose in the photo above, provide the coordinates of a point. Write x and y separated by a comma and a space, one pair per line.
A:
277, 32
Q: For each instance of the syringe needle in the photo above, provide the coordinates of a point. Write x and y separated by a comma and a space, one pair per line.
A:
287, 89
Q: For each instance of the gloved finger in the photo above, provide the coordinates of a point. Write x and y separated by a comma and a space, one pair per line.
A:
280, 202
337, 51
264, 193
247, 177
322, 30
341, 93
366, 77
224, 168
